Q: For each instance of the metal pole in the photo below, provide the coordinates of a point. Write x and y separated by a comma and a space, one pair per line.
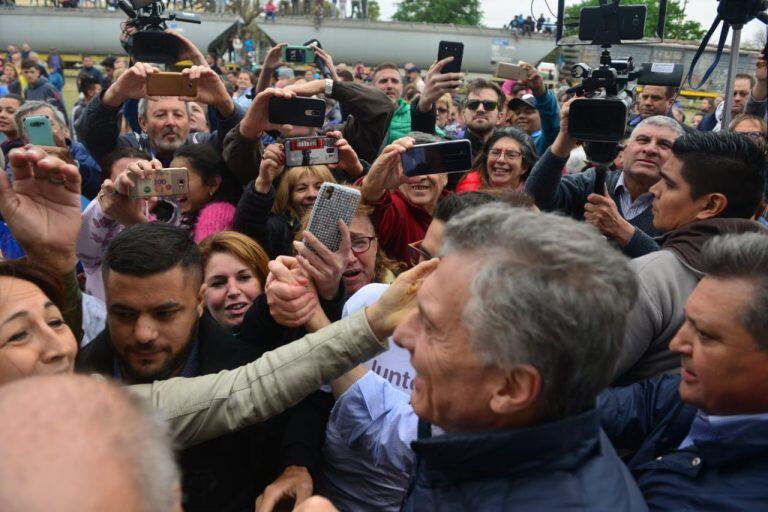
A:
735, 43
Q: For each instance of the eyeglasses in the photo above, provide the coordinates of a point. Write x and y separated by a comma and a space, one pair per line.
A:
753, 135
361, 244
487, 105
416, 254
508, 155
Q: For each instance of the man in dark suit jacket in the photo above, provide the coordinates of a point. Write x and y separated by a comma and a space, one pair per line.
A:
157, 329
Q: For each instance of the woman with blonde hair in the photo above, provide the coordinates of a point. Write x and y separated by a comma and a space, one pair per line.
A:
234, 274
272, 215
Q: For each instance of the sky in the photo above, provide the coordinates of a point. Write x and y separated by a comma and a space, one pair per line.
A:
497, 13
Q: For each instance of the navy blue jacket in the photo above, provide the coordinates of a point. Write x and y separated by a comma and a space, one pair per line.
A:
565, 465
650, 420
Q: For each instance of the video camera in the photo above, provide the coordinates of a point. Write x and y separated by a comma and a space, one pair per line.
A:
150, 42
599, 118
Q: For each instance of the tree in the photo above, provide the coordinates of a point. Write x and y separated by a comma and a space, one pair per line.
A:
460, 12
247, 10
374, 10
676, 27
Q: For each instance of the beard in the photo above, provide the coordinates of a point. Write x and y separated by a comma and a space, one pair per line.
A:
169, 369
162, 145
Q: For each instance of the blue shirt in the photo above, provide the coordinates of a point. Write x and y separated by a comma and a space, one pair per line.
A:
368, 442
631, 209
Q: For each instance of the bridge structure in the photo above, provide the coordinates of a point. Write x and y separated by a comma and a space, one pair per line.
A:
97, 31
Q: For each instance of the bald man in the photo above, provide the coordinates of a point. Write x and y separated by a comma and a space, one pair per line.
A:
78, 444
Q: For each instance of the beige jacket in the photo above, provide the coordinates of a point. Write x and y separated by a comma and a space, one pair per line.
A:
202, 408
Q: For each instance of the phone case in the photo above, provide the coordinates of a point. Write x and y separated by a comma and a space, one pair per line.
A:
438, 157
451, 49
298, 54
333, 202
39, 131
297, 111
304, 151
170, 84
510, 71
165, 182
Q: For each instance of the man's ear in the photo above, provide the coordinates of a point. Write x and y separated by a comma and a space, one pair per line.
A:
142, 124
711, 206
517, 389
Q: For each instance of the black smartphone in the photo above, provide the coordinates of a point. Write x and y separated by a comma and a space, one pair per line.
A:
437, 157
629, 25
297, 111
451, 49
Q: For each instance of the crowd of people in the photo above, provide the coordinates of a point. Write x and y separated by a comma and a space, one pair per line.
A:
512, 336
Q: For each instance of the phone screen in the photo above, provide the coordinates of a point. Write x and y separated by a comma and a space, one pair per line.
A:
452, 156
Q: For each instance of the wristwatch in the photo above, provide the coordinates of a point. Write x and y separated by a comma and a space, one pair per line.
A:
328, 86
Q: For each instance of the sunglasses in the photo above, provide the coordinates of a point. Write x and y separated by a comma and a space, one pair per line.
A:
487, 105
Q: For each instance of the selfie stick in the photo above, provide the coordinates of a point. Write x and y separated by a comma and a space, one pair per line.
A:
735, 43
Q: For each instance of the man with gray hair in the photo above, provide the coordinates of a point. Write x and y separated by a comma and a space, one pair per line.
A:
699, 440
515, 334
164, 121
622, 211
75, 443
69, 150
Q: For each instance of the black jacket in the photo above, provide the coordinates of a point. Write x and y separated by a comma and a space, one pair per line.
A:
254, 217
227, 473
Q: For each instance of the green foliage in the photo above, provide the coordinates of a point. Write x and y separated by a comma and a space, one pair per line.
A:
677, 27
374, 10
459, 12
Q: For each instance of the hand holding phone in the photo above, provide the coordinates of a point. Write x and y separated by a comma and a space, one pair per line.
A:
170, 84
297, 111
451, 49
298, 54
39, 131
438, 157
162, 183
333, 202
305, 151
511, 71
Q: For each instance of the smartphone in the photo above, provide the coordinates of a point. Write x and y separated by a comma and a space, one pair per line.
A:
333, 202
437, 157
298, 54
451, 49
510, 71
629, 23
297, 111
39, 132
304, 151
170, 84
321, 65
165, 182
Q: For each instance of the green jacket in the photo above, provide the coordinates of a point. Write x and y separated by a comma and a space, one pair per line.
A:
400, 126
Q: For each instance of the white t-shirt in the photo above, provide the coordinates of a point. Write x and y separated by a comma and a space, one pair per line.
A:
394, 365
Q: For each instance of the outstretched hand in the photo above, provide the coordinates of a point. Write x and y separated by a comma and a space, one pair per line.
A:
392, 307
291, 296
42, 206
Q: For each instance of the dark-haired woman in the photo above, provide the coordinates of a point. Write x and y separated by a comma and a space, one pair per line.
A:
507, 159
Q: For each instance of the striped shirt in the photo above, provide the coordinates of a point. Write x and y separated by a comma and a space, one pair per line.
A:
631, 209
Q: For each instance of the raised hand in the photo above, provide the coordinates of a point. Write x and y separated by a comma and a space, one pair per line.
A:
210, 89
438, 83
348, 161
256, 120
131, 85
272, 165
328, 60
42, 207
386, 173
322, 265
534, 81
